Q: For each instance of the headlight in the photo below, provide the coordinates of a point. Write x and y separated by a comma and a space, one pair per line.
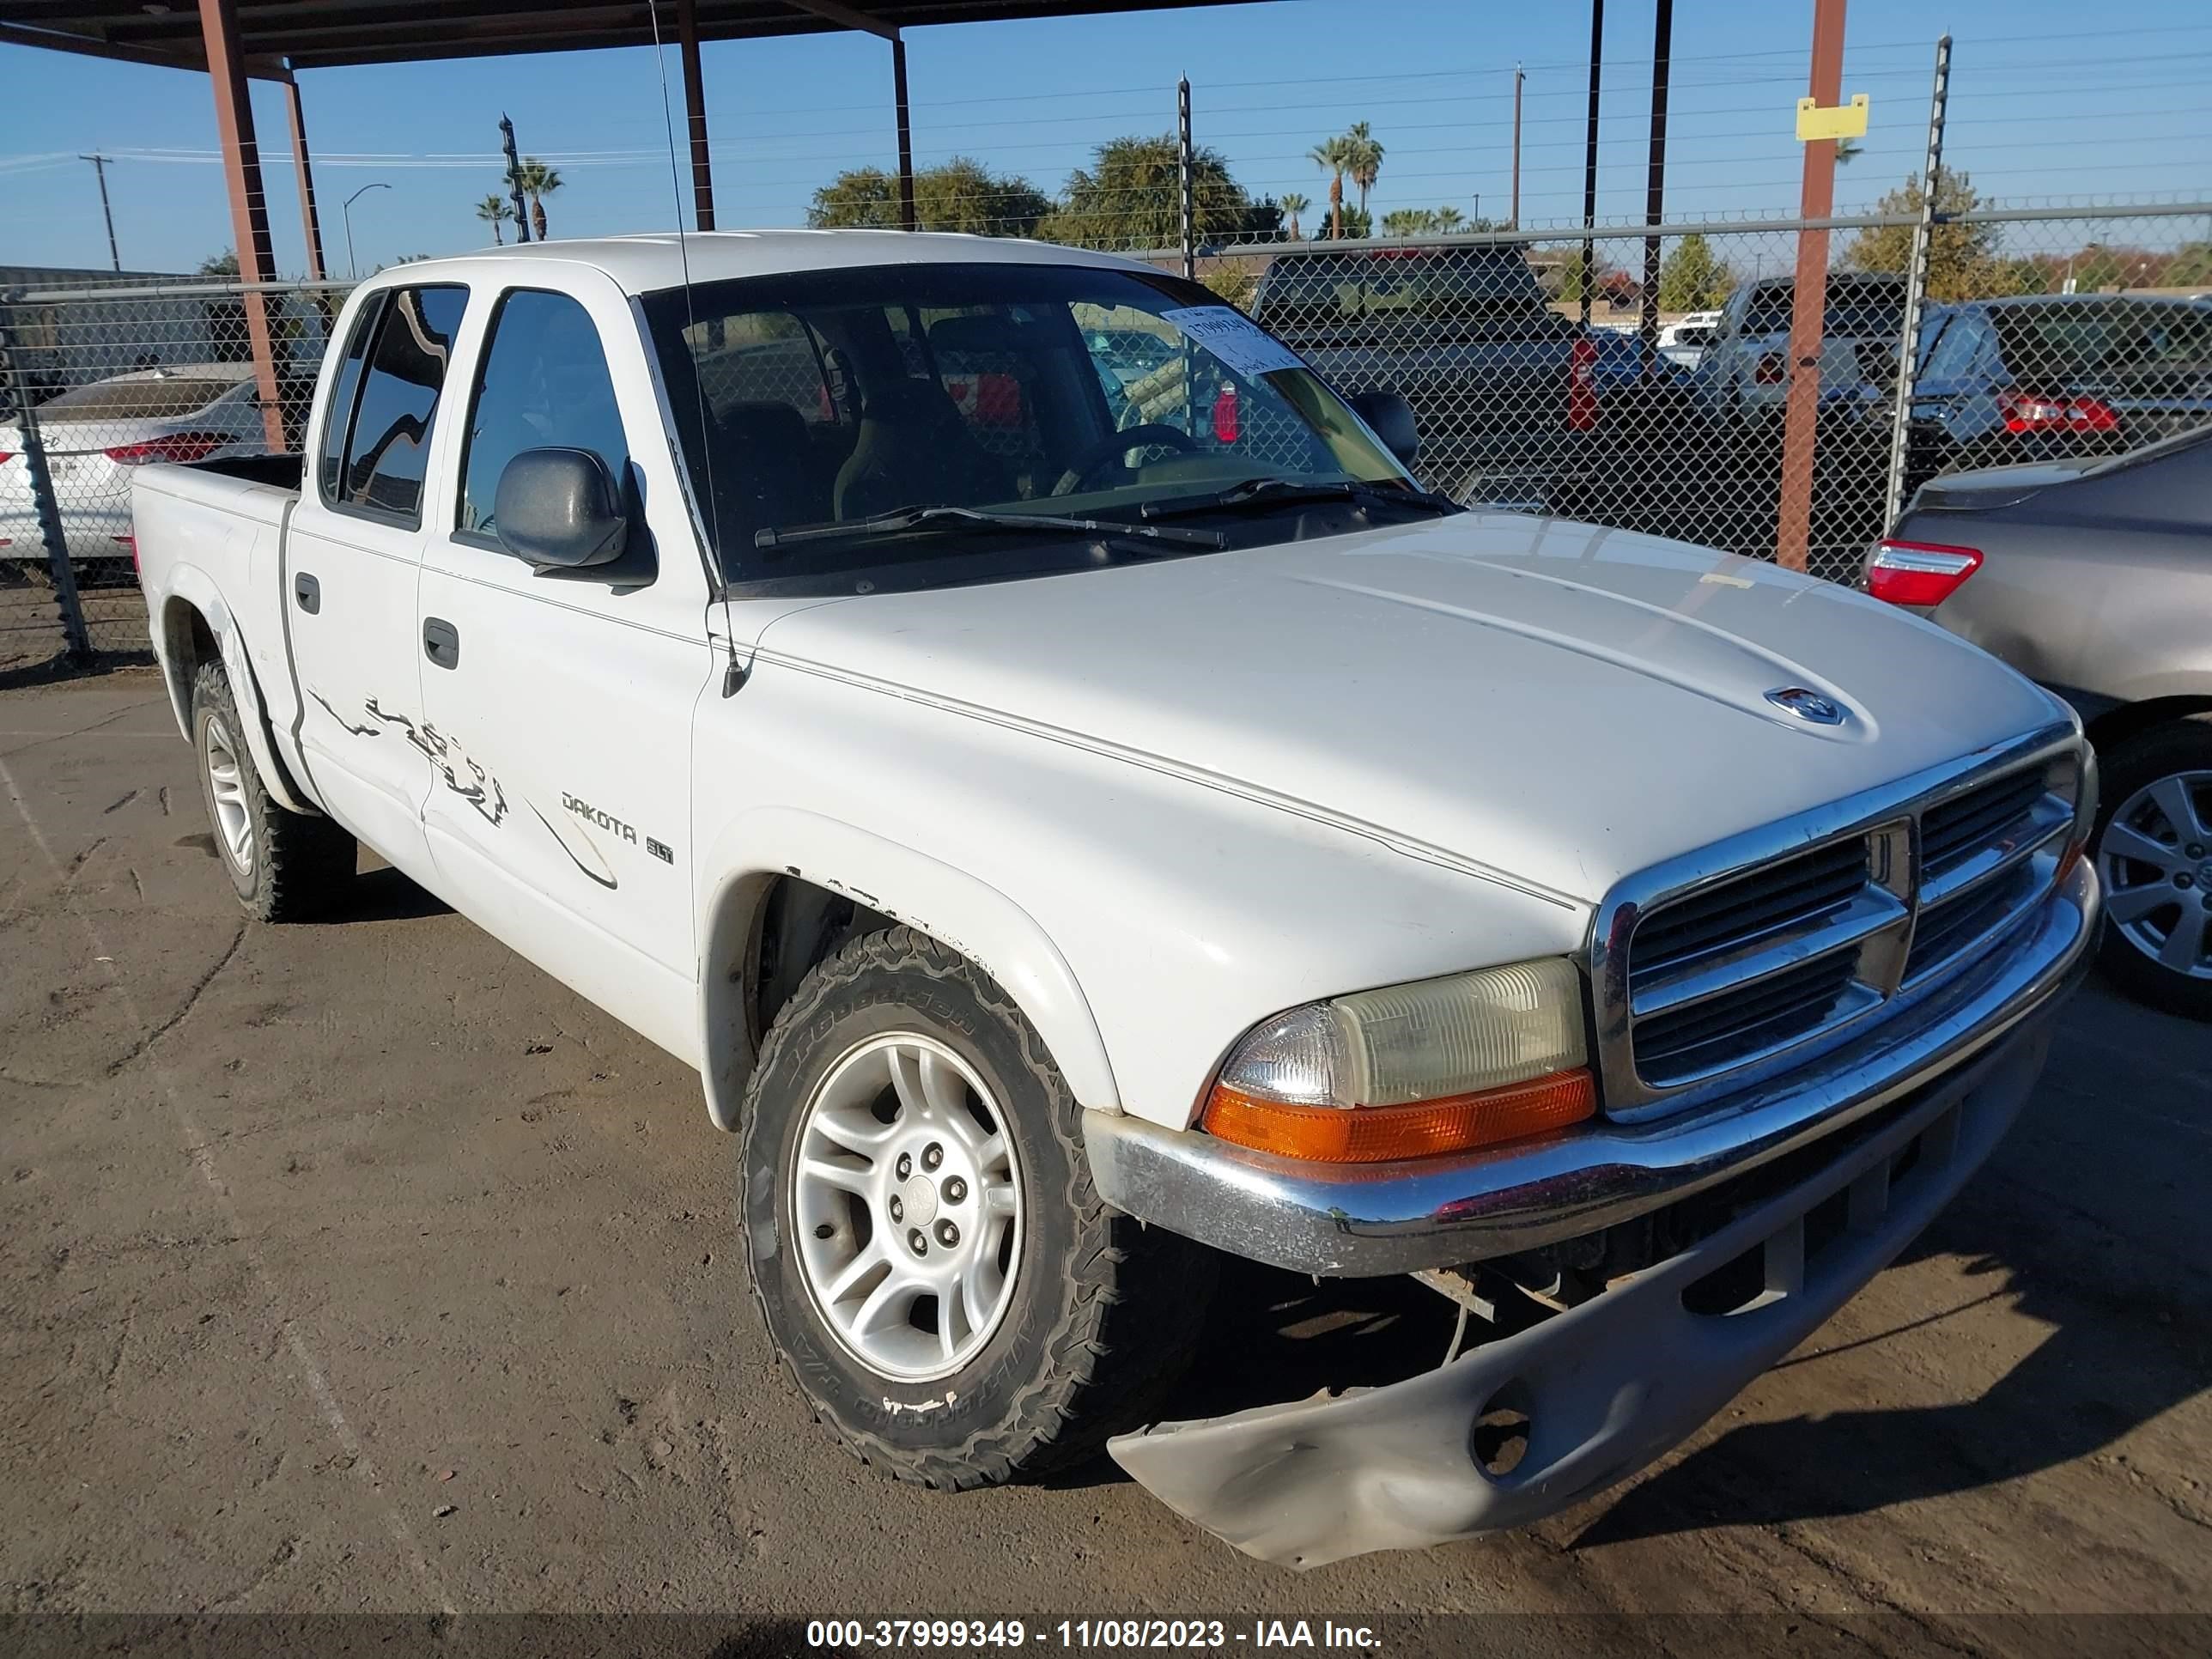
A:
1412, 1071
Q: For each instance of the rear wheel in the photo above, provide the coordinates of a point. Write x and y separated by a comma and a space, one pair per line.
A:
285, 866
2153, 851
933, 1262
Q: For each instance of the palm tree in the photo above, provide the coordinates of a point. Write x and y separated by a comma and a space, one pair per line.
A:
1364, 162
1848, 150
1333, 157
494, 211
1449, 219
538, 182
1293, 204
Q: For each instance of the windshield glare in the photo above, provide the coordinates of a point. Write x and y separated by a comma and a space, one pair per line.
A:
828, 396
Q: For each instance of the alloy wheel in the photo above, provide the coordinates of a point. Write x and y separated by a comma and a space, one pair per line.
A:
905, 1207
2155, 860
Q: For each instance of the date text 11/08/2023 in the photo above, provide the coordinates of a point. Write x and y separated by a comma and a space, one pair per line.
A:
1185, 1634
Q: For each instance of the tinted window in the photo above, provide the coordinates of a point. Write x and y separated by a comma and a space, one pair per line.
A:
339, 416
1857, 309
1955, 352
2111, 338
163, 395
544, 384
388, 447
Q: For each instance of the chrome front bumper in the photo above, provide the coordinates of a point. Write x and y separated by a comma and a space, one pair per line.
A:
1353, 1221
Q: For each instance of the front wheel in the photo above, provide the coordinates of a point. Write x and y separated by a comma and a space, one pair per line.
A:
926, 1245
2153, 851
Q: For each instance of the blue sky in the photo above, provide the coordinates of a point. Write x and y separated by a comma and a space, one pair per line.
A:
2048, 106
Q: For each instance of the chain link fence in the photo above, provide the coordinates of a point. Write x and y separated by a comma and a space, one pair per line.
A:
97, 381
1542, 377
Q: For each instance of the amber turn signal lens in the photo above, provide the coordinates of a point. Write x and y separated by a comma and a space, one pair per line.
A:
1422, 1128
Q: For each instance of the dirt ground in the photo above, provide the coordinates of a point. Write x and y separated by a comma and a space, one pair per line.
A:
361, 1267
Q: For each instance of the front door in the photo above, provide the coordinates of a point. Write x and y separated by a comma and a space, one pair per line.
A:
353, 558
559, 811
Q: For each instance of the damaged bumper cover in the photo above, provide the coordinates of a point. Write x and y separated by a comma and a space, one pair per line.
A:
1607, 1386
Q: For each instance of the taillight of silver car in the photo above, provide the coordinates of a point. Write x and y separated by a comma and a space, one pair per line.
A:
1920, 573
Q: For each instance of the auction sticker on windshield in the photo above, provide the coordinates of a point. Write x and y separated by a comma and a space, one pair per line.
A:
1233, 338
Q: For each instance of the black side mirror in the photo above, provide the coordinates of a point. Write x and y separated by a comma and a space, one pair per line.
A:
1391, 419
560, 509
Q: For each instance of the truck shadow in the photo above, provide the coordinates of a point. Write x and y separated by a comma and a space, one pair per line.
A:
382, 894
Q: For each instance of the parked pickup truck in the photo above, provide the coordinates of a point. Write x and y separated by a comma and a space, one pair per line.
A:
1068, 851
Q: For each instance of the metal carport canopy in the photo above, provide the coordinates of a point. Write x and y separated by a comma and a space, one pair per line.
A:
273, 34
235, 40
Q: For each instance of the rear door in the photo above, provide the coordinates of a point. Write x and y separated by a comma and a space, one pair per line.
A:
353, 557
561, 703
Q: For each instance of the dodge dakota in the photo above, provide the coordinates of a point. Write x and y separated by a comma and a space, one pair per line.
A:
1080, 820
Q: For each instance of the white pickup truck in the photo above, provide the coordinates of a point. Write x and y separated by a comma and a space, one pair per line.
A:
1027, 742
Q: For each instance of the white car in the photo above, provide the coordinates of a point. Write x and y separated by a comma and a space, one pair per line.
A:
1069, 853
1684, 341
95, 436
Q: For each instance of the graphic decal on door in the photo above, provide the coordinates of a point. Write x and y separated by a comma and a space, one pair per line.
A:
462, 776
607, 880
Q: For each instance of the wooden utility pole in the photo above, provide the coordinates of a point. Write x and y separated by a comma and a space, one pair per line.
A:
1793, 526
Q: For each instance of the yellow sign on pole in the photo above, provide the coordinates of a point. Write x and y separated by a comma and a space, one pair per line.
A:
1844, 121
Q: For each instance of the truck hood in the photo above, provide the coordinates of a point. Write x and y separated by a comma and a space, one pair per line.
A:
1535, 700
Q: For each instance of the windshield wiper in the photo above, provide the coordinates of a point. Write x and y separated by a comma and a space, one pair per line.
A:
910, 518
1282, 492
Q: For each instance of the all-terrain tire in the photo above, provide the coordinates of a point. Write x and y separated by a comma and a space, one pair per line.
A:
1104, 1313
2174, 750
292, 865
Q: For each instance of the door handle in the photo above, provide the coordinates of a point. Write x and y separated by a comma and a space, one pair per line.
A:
441, 643
309, 592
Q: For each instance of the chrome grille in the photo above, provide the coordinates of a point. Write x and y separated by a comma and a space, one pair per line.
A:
1718, 974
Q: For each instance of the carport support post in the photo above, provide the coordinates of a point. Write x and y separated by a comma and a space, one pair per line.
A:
300, 165
249, 205
1793, 526
695, 103
1916, 292
1589, 155
16, 404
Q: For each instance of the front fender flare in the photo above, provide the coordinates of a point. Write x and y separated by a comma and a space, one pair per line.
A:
952, 907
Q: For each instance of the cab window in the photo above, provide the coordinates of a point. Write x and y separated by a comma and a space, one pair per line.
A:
542, 384
381, 415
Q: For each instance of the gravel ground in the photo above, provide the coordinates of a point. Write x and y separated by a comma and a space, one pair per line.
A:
359, 1268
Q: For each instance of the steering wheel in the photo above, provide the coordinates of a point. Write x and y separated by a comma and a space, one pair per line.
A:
1147, 436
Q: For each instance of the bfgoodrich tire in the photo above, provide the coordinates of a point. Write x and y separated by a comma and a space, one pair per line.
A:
284, 865
2154, 852
933, 1264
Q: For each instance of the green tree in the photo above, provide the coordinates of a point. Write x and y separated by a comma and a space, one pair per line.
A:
1364, 152
1333, 156
1350, 221
1962, 259
2191, 267
1693, 278
224, 264
494, 211
1444, 220
538, 182
1293, 205
960, 194
1234, 280
1131, 196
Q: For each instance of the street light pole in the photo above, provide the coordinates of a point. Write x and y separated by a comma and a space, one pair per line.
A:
345, 211
100, 166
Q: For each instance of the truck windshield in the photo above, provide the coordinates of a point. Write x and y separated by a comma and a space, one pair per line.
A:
825, 397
